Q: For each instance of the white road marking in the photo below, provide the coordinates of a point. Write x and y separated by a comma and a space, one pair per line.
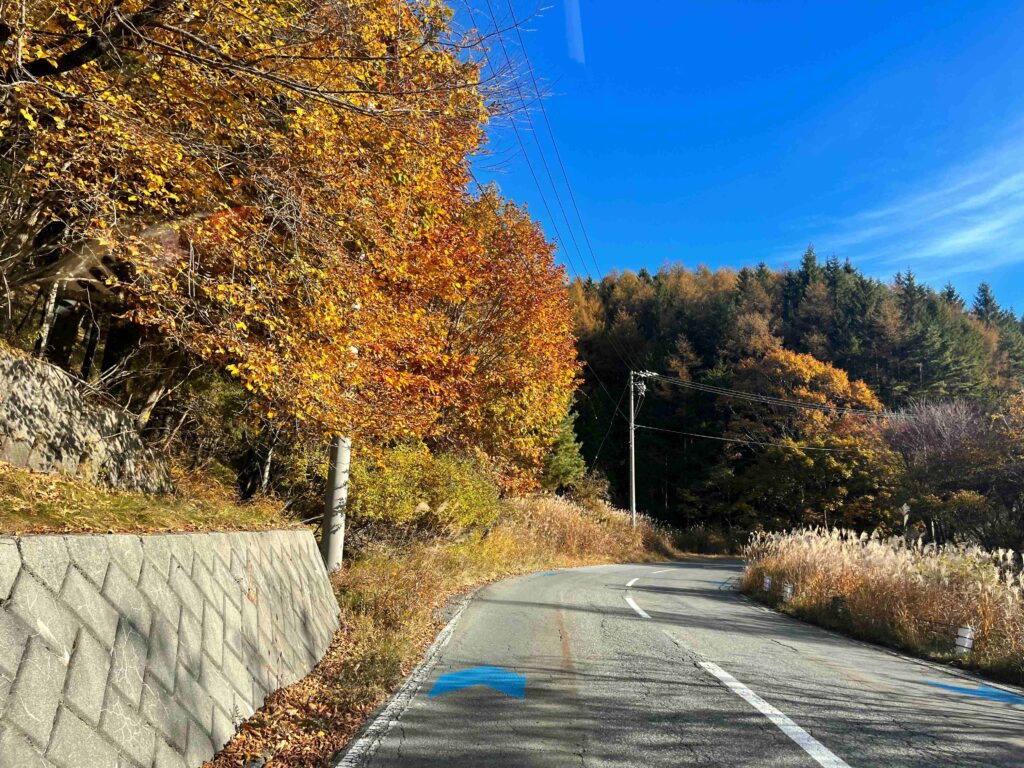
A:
632, 582
803, 739
663, 570
363, 748
640, 611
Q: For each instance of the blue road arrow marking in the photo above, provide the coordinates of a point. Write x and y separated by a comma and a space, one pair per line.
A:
984, 692
509, 683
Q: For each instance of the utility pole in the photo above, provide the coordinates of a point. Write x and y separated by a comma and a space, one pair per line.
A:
332, 541
332, 536
641, 387
632, 452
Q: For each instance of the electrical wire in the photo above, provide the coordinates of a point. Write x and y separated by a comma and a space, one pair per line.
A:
623, 355
761, 443
771, 400
551, 136
611, 423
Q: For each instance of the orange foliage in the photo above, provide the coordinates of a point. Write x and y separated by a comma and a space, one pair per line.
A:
282, 186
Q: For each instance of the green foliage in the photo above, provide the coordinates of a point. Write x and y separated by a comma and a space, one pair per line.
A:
410, 486
904, 341
564, 467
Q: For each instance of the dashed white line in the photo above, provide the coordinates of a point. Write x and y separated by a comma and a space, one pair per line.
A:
640, 611
803, 739
663, 570
632, 603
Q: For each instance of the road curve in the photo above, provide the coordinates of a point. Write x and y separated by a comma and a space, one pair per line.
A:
664, 665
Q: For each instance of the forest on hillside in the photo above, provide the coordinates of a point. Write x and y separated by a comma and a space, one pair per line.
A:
912, 417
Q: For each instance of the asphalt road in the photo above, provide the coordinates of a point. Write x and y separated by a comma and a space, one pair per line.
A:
664, 665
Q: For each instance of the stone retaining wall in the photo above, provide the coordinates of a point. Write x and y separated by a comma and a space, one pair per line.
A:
48, 425
125, 651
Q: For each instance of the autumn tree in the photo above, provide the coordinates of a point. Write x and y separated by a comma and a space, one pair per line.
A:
822, 463
279, 192
507, 329
962, 470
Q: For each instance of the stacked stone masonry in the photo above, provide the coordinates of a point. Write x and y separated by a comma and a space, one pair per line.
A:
125, 651
47, 424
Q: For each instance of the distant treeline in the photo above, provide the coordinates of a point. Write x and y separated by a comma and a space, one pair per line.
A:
946, 465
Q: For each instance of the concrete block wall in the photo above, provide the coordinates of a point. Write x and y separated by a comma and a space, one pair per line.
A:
124, 651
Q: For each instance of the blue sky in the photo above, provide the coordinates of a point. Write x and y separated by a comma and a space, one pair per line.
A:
728, 133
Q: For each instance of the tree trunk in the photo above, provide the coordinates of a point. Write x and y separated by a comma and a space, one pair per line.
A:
49, 311
67, 322
265, 480
92, 342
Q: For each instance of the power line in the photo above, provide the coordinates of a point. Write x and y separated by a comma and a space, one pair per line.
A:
518, 135
611, 423
772, 400
604, 388
761, 443
551, 135
522, 145
623, 355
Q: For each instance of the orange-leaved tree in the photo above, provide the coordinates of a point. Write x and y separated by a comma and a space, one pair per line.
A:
250, 180
806, 449
509, 327
276, 189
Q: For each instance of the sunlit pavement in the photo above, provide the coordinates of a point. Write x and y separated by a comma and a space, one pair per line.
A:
664, 665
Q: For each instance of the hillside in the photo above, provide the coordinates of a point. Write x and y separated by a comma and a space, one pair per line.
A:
943, 379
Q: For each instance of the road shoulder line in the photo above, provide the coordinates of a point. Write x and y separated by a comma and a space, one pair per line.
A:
361, 749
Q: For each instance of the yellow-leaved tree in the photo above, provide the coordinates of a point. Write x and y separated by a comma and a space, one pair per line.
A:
808, 450
271, 189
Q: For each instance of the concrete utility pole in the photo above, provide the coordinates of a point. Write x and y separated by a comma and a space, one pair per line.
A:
332, 541
632, 452
642, 388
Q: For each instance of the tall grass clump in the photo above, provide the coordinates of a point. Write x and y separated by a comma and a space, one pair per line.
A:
904, 594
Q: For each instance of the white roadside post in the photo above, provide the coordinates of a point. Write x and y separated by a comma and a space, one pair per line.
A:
332, 541
767, 584
964, 641
787, 592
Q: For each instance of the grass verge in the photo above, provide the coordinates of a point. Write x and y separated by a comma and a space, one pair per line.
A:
902, 595
39, 503
390, 593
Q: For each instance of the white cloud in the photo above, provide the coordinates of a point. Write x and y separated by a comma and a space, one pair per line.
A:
966, 220
574, 32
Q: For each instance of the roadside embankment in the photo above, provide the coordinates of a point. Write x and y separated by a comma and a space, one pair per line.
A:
391, 592
147, 650
912, 597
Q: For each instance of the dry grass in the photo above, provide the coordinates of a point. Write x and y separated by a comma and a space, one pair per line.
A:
39, 503
389, 597
904, 595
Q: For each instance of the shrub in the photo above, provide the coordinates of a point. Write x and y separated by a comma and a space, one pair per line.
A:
410, 486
